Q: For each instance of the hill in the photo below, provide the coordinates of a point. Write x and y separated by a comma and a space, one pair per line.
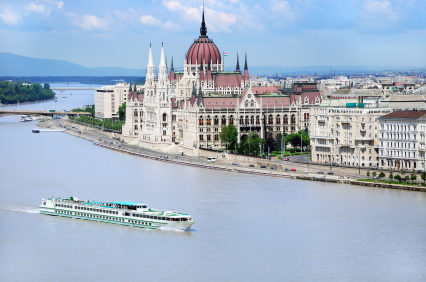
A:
16, 65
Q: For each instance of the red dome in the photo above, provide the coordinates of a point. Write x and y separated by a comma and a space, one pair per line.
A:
203, 48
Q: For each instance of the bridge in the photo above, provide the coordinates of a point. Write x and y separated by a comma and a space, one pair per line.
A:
73, 88
42, 113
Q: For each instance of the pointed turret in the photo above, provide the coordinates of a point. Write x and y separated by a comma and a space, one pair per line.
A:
246, 74
162, 58
203, 28
150, 61
245, 64
171, 67
134, 87
237, 69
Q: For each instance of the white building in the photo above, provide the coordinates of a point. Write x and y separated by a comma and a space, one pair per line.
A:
402, 140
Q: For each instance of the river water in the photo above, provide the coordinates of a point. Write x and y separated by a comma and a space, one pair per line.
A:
248, 227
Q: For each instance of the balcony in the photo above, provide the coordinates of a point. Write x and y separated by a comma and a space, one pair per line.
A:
363, 138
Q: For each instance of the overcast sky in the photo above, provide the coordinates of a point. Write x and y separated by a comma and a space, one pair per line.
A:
113, 33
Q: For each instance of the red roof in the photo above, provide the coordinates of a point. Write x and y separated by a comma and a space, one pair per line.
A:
220, 102
203, 49
405, 114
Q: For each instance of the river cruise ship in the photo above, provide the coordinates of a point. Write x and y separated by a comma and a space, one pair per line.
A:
124, 213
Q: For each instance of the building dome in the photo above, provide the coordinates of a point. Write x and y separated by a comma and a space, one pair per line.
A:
203, 49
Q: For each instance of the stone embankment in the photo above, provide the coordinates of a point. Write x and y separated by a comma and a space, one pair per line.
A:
88, 135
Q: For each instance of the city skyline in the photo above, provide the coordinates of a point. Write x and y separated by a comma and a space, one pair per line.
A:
281, 33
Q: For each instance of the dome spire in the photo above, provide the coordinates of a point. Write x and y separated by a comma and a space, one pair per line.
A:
203, 28
238, 64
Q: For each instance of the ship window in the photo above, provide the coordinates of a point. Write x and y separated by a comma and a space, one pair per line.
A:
155, 217
163, 218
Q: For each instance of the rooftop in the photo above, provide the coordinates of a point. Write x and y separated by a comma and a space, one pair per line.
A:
405, 114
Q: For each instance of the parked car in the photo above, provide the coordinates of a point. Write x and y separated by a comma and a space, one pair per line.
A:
293, 169
273, 167
239, 165
263, 166
286, 159
335, 164
376, 177
286, 169
420, 171
177, 157
251, 165
320, 172
373, 167
234, 163
306, 170
330, 173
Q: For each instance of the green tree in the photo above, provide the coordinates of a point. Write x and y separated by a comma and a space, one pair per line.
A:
413, 177
46, 86
407, 177
398, 177
368, 173
122, 112
250, 145
229, 134
382, 175
423, 176
391, 176
374, 174
403, 172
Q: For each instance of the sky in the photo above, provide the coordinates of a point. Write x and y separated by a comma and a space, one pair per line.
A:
111, 33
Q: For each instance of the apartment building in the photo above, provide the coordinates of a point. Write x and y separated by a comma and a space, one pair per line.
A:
346, 135
402, 140
109, 98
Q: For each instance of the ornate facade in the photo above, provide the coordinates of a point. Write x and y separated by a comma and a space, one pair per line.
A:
185, 110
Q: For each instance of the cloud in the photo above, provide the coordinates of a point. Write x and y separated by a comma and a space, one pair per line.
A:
88, 22
283, 7
38, 7
10, 18
151, 21
60, 4
379, 8
217, 20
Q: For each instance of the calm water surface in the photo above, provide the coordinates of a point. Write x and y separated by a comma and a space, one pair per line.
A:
248, 227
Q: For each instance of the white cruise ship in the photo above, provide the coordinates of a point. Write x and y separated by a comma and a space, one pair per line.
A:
124, 213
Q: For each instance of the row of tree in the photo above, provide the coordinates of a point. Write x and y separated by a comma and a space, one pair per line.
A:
412, 176
106, 123
12, 92
252, 144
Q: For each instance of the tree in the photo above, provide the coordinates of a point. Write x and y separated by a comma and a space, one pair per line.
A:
46, 86
368, 173
122, 112
403, 172
251, 144
229, 134
398, 177
391, 176
382, 175
423, 176
280, 137
413, 177
374, 174
407, 177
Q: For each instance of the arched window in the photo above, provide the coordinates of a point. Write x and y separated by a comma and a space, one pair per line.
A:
208, 137
252, 120
200, 121
278, 119
223, 120
285, 119
209, 121
135, 113
201, 137
247, 121
241, 120
164, 117
257, 120
231, 120
293, 119
270, 120
216, 120
216, 137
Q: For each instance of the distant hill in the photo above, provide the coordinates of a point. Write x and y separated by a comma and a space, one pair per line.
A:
16, 65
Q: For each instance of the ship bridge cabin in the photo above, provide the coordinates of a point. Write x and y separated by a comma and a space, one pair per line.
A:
130, 206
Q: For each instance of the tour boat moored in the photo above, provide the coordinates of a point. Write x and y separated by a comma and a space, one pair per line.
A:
124, 213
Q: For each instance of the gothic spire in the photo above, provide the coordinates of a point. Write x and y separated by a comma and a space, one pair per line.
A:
245, 64
150, 62
203, 28
238, 64
162, 59
171, 67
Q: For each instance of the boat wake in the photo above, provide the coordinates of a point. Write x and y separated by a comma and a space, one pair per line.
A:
20, 209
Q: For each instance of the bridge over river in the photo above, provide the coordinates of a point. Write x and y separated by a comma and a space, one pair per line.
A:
73, 88
42, 113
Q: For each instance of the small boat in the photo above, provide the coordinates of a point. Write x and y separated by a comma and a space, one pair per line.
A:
28, 118
36, 130
22, 119
123, 213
